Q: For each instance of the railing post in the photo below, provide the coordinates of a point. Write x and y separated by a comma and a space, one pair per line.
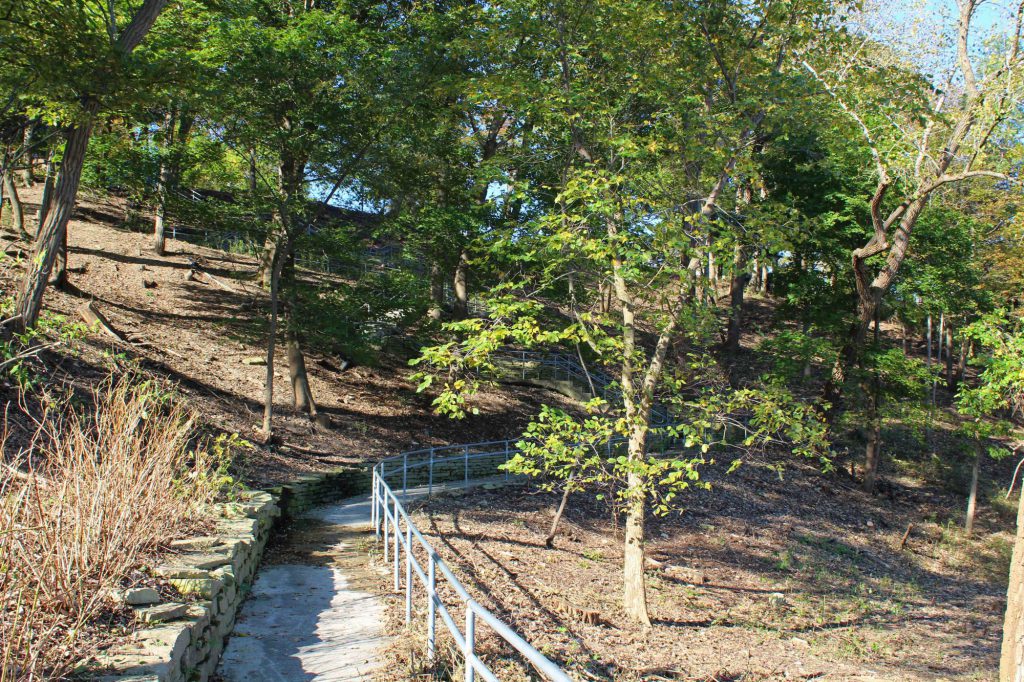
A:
431, 608
375, 488
408, 572
524, 365
470, 642
405, 472
397, 532
507, 454
430, 478
384, 512
465, 456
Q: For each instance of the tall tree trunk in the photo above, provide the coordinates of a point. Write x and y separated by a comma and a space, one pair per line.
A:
873, 451
250, 173
59, 273
27, 178
634, 591
972, 495
966, 349
872, 455
436, 291
1011, 660
549, 541
268, 386
30, 297
737, 286
163, 184
302, 394
159, 236
52, 237
17, 208
46, 200
949, 357
461, 291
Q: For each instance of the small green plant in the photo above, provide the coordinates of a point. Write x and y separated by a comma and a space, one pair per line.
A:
214, 463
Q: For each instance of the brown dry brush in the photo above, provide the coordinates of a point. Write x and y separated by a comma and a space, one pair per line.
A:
90, 500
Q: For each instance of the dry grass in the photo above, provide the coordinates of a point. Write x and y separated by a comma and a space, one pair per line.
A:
97, 492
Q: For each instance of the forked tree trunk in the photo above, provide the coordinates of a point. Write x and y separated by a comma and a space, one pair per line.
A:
972, 495
30, 297
1011, 661
460, 288
17, 208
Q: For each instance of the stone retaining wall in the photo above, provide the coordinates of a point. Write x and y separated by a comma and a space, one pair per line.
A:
182, 641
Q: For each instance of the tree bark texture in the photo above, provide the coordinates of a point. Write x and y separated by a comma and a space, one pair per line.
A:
1011, 661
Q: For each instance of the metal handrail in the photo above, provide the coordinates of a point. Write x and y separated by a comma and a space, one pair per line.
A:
388, 516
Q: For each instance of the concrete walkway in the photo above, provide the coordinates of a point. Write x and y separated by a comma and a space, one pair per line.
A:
315, 616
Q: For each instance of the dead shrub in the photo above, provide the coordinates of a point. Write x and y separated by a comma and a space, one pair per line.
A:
96, 494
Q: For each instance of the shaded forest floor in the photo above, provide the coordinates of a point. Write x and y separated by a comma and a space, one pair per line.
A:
760, 579
197, 333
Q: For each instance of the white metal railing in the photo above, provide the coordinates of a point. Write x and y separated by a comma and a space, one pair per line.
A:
393, 525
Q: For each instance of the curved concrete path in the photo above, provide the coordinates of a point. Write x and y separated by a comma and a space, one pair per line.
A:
313, 617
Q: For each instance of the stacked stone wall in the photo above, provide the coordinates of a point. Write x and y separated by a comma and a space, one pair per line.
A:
181, 641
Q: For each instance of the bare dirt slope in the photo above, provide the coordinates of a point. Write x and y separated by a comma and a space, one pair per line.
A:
196, 331
759, 579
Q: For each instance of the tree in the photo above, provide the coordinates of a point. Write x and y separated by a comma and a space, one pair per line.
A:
118, 49
934, 134
623, 212
316, 90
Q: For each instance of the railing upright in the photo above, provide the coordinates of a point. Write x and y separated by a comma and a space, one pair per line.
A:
405, 472
469, 654
384, 511
430, 479
408, 571
397, 533
507, 457
431, 608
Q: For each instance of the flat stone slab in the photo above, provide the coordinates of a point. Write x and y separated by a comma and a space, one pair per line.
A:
308, 622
